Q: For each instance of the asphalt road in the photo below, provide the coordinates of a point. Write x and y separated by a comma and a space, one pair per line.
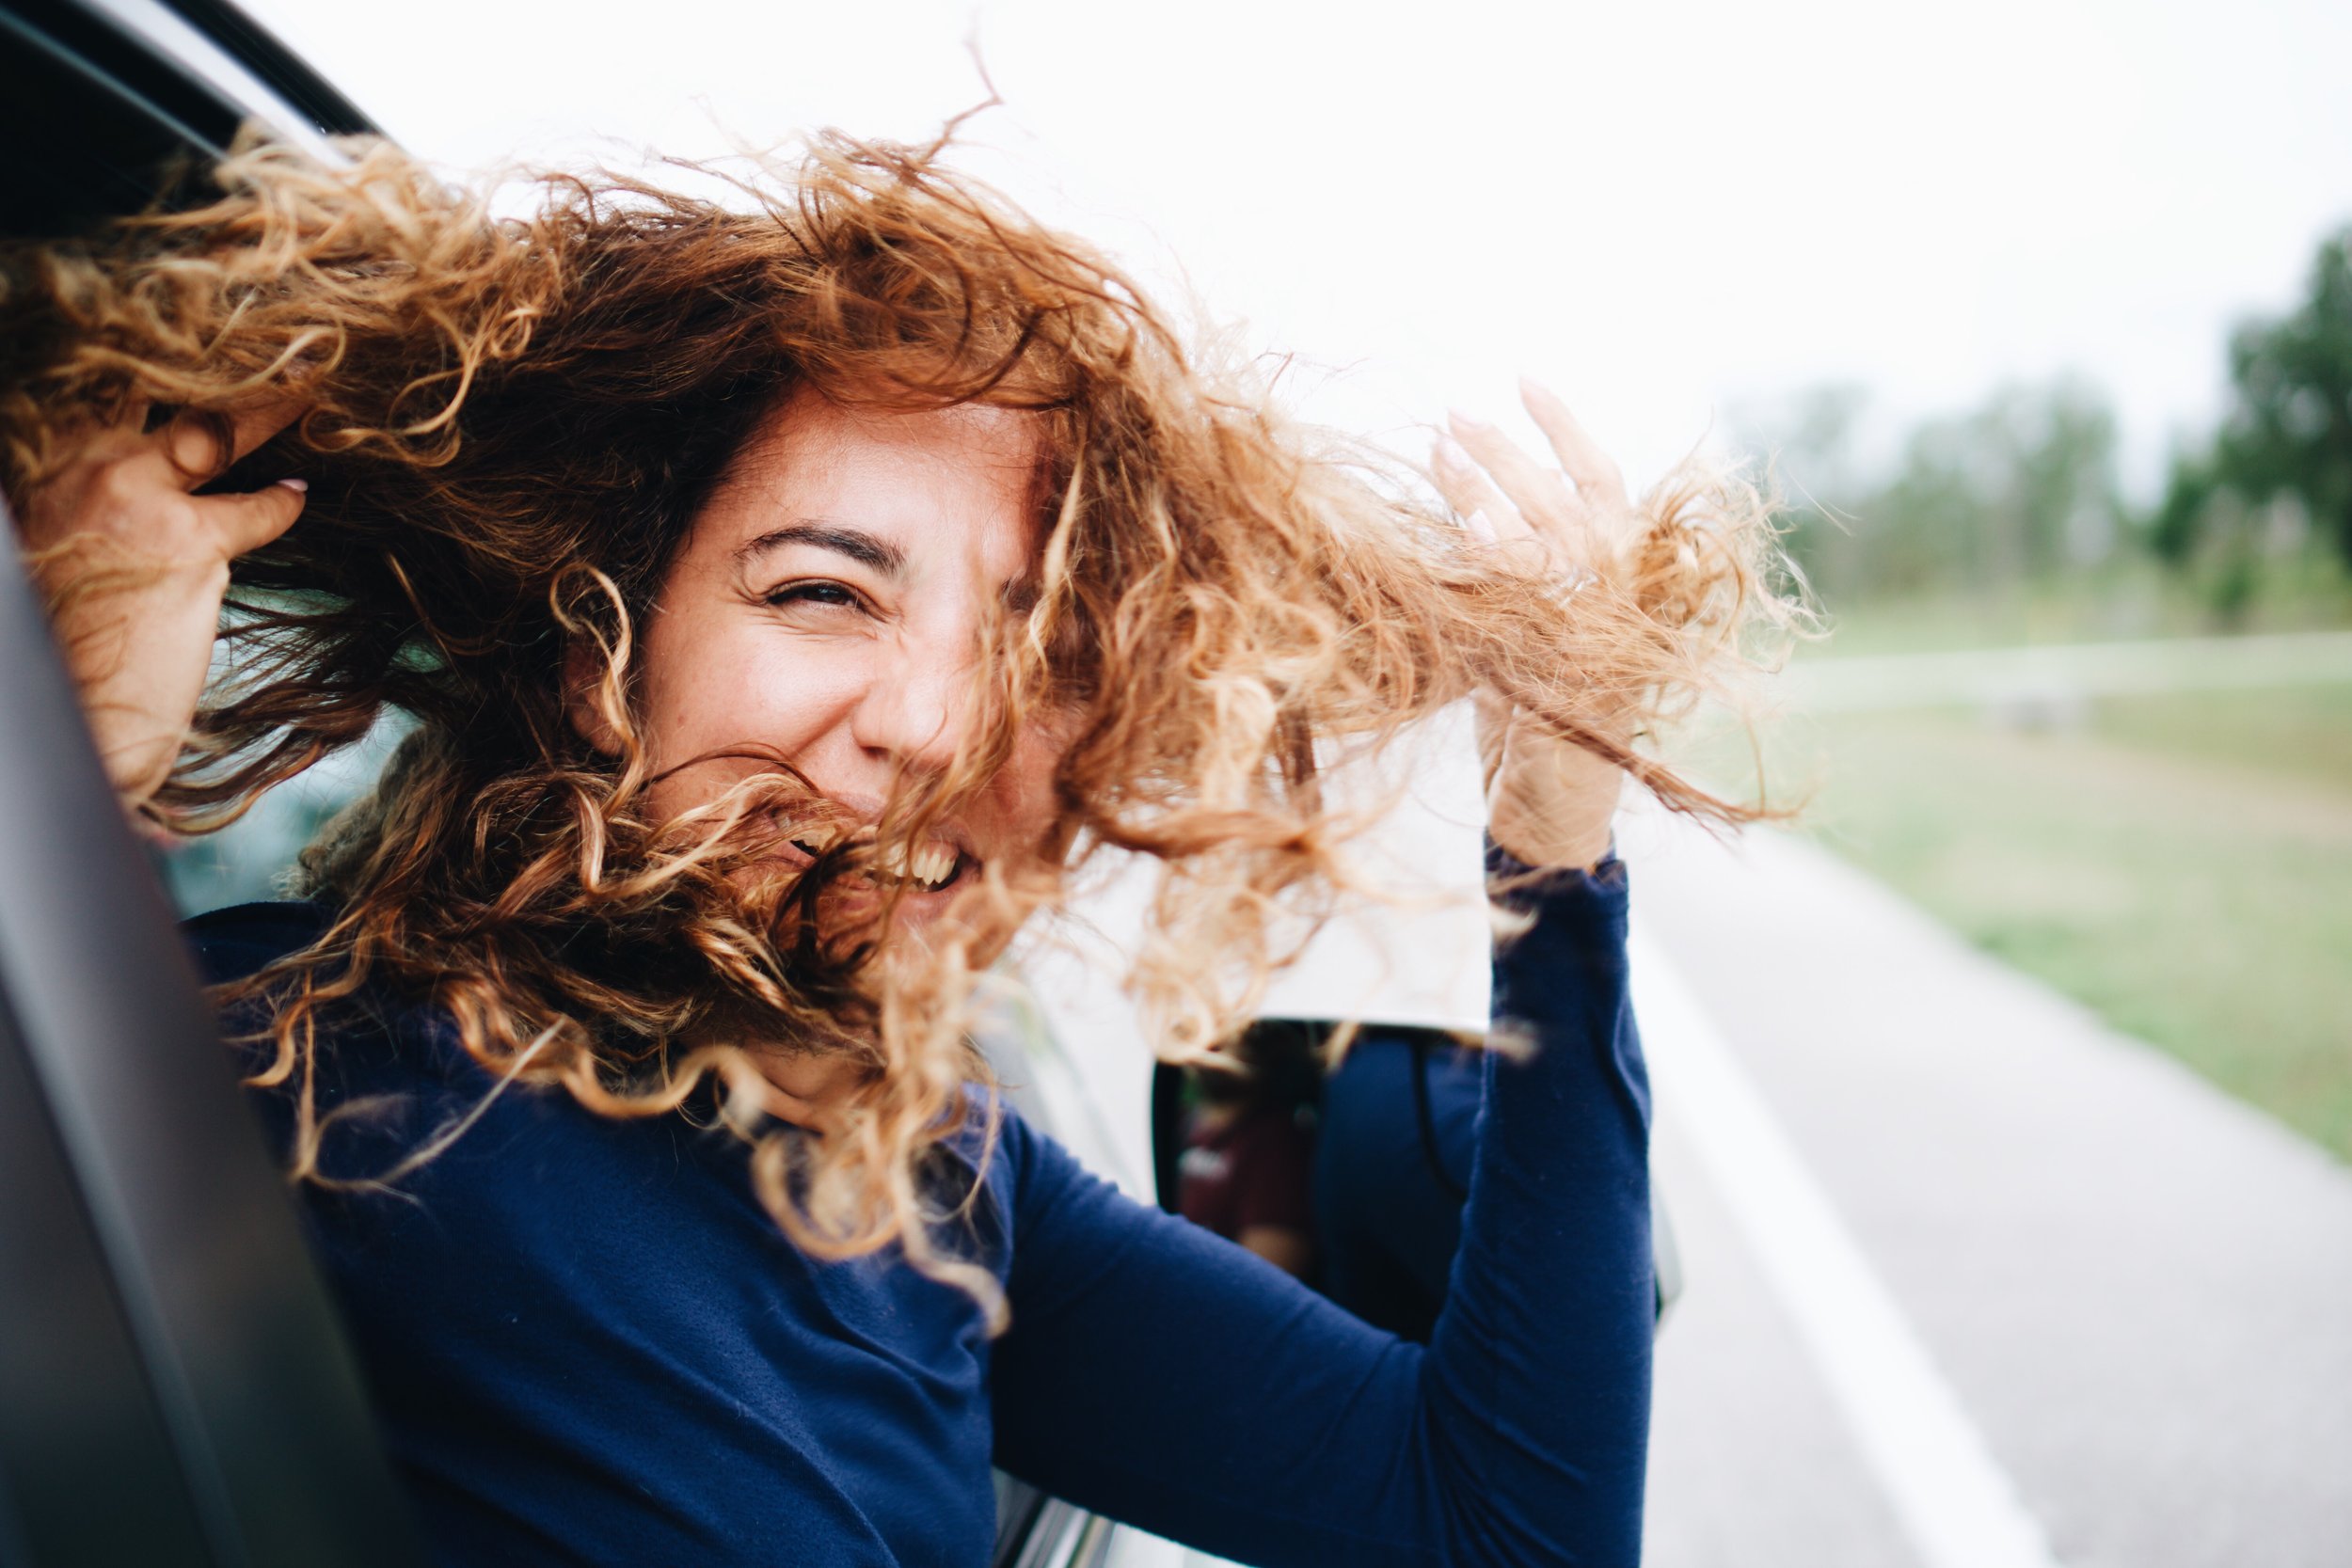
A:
2125, 1297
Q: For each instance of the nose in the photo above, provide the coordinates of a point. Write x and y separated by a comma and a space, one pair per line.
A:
917, 708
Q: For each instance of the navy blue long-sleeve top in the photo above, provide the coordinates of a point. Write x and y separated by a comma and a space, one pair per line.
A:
588, 1343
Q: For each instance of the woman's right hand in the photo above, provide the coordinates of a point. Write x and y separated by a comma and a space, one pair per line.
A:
1548, 801
133, 566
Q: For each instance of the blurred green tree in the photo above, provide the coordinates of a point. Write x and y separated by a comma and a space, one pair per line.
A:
2281, 461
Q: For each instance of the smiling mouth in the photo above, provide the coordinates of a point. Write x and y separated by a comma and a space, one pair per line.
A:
927, 867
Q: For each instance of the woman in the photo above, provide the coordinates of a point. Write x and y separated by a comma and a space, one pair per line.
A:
788, 599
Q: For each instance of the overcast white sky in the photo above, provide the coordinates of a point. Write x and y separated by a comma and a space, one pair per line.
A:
1668, 210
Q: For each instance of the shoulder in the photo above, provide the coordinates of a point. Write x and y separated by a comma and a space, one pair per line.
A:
371, 1043
1064, 1223
996, 1150
1024, 1176
231, 944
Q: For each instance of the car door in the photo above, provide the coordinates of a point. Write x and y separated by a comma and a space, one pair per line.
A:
174, 1385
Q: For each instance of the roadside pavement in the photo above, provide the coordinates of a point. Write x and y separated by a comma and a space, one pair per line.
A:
2130, 1293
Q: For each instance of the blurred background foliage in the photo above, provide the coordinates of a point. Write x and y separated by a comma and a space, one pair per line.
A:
2280, 469
2020, 502
2019, 490
2175, 852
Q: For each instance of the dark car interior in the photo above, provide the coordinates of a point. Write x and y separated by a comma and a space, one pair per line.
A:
107, 106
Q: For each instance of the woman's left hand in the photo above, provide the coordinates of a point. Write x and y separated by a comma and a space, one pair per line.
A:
1548, 801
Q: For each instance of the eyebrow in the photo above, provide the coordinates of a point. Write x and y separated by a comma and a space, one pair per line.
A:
857, 543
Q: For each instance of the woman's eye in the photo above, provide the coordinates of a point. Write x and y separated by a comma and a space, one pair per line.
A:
833, 594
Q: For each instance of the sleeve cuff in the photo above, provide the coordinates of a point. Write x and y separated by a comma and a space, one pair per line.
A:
1516, 884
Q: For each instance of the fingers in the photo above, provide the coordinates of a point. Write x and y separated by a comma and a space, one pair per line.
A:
199, 452
1540, 494
1578, 512
1596, 475
90, 440
248, 521
252, 427
1468, 491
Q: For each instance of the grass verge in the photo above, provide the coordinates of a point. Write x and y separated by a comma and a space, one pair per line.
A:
2181, 864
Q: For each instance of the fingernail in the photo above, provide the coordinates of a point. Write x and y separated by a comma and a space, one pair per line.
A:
295, 484
1452, 453
1480, 527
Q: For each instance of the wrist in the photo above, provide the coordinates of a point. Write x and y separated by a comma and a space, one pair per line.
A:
1570, 829
1507, 871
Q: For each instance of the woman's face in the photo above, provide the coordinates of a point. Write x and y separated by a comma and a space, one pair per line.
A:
829, 605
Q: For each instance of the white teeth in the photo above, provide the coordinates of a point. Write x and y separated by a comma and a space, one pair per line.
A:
932, 865
818, 837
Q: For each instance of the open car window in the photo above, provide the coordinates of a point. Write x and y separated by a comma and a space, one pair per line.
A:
101, 103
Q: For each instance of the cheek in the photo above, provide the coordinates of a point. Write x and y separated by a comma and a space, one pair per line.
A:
720, 687
1025, 789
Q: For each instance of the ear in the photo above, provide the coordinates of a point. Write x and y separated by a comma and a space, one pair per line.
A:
583, 674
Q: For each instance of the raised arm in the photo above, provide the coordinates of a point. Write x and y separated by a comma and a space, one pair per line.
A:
1162, 1376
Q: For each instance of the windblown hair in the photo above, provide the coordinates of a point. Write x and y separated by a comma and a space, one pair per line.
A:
509, 424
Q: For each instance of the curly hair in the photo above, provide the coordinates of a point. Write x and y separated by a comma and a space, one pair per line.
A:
509, 424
